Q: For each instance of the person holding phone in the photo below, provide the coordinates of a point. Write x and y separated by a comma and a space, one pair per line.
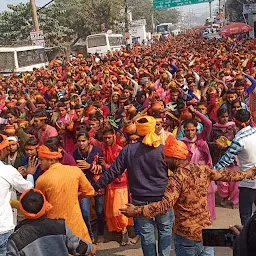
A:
245, 242
87, 158
186, 192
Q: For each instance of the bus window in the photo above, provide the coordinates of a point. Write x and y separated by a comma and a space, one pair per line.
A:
96, 41
7, 61
121, 41
116, 41
162, 29
113, 41
31, 57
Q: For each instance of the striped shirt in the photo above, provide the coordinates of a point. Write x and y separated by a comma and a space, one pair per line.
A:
243, 146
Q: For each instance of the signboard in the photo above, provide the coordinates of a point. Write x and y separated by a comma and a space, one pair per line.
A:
249, 8
176, 3
37, 38
137, 31
141, 22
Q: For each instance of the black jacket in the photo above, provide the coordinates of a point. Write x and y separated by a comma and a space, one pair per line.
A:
45, 237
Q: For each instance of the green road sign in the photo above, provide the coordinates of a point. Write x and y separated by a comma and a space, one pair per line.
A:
175, 3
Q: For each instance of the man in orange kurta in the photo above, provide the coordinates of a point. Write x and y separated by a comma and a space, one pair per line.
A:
61, 185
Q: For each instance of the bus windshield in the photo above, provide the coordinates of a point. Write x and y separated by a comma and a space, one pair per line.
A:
96, 41
7, 61
162, 28
31, 57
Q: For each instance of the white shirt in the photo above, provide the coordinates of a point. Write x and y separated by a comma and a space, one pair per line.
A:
247, 156
243, 147
10, 179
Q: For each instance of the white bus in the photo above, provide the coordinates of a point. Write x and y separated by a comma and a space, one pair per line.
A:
104, 42
22, 59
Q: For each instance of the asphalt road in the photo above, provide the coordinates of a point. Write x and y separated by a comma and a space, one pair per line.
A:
225, 217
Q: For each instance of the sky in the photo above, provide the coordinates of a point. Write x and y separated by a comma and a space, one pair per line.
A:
4, 3
196, 8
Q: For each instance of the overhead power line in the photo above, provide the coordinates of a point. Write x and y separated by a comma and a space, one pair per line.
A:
45, 6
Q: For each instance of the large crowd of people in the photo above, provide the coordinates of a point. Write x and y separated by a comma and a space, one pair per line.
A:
146, 135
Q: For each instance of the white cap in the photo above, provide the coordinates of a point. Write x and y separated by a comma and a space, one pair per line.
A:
13, 138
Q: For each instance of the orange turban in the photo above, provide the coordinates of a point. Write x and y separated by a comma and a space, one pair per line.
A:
46, 206
175, 148
147, 130
45, 153
4, 143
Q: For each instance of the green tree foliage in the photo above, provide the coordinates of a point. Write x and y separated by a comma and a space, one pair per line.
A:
63, 21
104, 12
144, 9
16, 23
66, 21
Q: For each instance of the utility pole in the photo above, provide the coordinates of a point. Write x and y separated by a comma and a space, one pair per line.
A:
34, 15
189, 18
225, 11
153, 22
210, 7
126, 25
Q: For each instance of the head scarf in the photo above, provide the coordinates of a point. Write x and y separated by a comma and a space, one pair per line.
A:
147, 130
111, 152
45, 153
46, 206
4, 143
12, 140
175, 148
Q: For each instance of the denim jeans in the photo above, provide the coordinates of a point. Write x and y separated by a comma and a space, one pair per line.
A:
135, 226
247, 197
3, 242
99, 208
147, 232
186, 247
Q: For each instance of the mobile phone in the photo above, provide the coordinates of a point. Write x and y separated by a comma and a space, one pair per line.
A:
27, 91
218, 237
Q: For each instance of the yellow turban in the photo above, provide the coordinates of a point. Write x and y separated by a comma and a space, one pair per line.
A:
147, 130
